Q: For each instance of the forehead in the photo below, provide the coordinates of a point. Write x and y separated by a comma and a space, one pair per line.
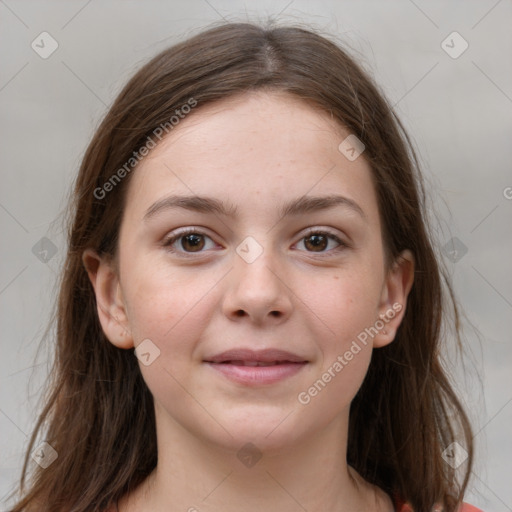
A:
258, 148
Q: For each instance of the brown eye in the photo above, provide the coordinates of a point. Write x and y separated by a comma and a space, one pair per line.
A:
192, 243
316, 242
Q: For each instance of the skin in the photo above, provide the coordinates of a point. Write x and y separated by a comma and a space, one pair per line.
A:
254, 152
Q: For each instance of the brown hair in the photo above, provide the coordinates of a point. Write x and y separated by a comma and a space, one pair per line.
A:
98, 412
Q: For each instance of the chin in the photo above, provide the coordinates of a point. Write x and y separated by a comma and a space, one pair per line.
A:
258, 433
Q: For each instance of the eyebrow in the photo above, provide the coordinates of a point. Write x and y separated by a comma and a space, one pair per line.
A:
203, 204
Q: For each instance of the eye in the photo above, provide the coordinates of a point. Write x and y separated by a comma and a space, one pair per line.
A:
188, 241
318, 241
192, 240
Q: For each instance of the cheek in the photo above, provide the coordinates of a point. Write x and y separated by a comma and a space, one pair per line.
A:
345, 304
168, 306
173, 311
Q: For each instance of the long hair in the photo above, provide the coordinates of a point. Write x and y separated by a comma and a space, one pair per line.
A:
98, 412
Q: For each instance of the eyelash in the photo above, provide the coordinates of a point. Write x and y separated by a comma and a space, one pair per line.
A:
169, 241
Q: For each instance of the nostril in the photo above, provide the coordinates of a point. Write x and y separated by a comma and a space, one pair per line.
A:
242, 313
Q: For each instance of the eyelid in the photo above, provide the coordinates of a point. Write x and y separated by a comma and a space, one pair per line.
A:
184, 231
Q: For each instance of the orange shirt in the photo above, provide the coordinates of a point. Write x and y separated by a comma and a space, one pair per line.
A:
405, 507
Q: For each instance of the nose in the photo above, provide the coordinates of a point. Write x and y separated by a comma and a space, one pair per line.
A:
258, 292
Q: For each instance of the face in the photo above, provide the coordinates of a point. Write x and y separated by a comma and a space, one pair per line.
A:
263, 261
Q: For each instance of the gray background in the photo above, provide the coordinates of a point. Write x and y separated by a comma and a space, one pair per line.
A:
458, 111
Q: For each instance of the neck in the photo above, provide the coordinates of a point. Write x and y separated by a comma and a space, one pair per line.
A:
195, 475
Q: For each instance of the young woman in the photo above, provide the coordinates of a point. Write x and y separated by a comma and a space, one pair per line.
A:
249, 217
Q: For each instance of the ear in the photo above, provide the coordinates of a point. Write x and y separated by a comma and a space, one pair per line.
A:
109, 299
393, 299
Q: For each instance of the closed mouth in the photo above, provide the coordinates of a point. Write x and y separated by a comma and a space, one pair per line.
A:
248, 357
257, 363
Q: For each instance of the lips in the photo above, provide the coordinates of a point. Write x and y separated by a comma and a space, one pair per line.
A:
256, 368
253, 363
247, 357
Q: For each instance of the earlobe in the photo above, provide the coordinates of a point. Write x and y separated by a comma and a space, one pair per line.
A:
109, 299
393, 301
